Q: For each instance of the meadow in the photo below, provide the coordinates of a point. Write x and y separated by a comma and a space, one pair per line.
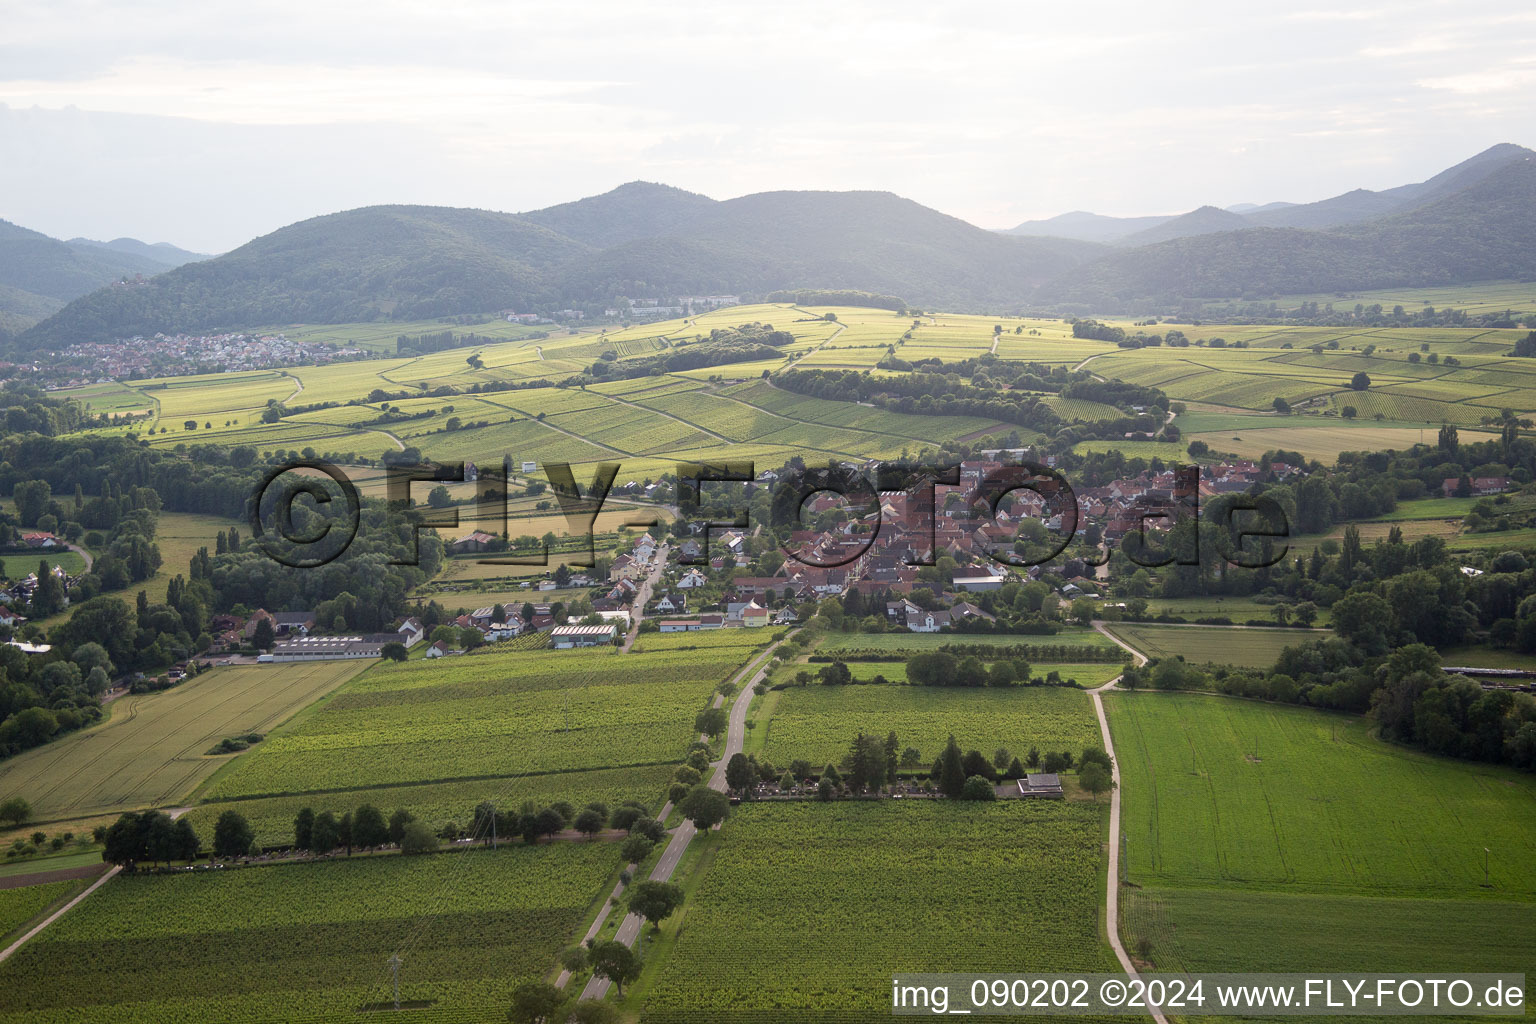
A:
502, 715
902, 642
1245, 647
807, 909
818, 722
1242, 794
152, 751
309, 941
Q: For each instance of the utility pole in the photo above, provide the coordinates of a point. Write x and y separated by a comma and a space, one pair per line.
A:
493, 826
1485, 869
394, 969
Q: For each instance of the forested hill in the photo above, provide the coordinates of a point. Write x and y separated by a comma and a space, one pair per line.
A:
39, 274
639, 240
1479, 233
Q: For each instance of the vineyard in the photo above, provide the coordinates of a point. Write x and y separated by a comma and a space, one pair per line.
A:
441, 803
308, 942
1263, 796
498, 714
21, 904
808, 909
904, 642
1244, 647
818, 722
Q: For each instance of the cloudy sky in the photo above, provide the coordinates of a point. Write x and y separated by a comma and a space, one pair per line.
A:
207, 124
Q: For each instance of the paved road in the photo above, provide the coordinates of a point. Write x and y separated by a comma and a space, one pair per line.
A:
735, 737
174, 812
643, 595
1112, 888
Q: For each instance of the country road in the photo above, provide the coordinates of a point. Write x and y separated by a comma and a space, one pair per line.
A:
643, 595
5, 954
735, 738
1112, 885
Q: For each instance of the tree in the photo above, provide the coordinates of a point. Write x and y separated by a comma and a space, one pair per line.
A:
1349, 412
397, 823
616, 962
1282, 406
418, 837
741, 774
232, 836
1000, 758
705, 807
977, 788
394, 651
303, 828
590, 822
535, 1002
264, 636
635, 849
369, 827
654, 901
1095, 778
326, 835
592, 1011
711, 722
15, 810
1360, 381
951, 771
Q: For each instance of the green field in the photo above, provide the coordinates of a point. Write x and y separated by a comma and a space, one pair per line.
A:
1264, 837
488, 715
818, 722
807, 909
899, 642
153, 749
309, 941
20, 905
1246, 647
14, 567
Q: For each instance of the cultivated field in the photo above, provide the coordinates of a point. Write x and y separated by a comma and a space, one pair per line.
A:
1244, 646
818, 722
153, 749
807, 909
309, 941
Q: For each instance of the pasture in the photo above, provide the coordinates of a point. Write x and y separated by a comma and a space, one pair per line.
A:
1243, 646
308, 941
1235, 793
809, 906
152, 751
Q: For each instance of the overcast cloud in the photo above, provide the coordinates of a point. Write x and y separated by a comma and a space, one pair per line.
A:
206, 125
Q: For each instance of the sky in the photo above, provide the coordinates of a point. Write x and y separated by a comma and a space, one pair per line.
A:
206, 125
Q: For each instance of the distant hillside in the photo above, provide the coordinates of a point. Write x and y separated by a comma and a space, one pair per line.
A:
406, 261
632, 211
419, 261
1204, 221
38, 274
163, 253
1086, 227
1481, 232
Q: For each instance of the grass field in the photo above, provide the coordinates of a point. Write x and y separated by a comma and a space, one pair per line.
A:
899, 642
1324, 807
807, 909
153, 749
309, 941
1246, 647
14, 567
1329, 850
819, 722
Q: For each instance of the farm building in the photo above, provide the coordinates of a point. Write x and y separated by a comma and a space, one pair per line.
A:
1045, 784
330, 648
566, 637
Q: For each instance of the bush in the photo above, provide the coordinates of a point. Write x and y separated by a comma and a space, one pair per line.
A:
978, 788
418, 838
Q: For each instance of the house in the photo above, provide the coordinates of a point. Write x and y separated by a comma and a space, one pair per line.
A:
669, 603
40, 540
713, 621
965, 610
288, 623
1451, 485
437, 650
566, 637
692, 578
679, 625
474, 542
1044, 784
928, 622
754, 615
